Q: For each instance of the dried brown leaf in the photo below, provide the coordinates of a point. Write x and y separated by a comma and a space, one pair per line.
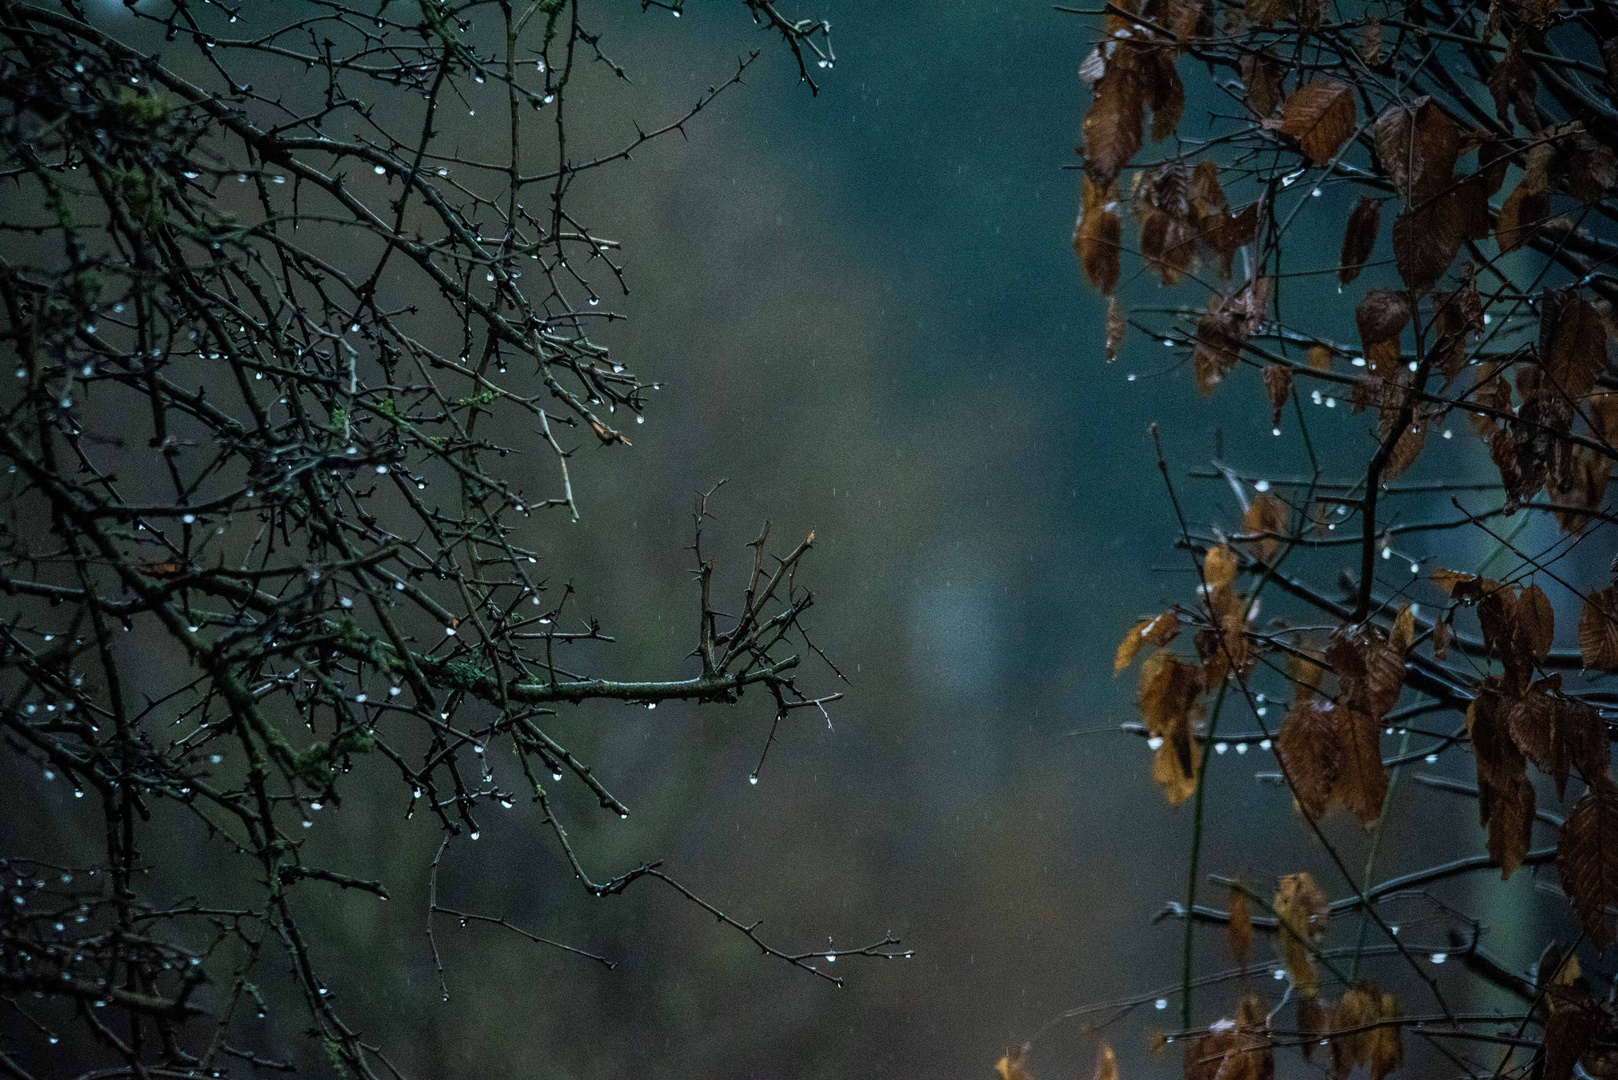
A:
1572, 342
1521, 215
1536, 619
1219, 567
1587, 855
1417, 144
1112, 127
1014, 1064
1268, 12
1310, 755
1321, 116
1510, 808
1582, 484
1371, 42
1302, 911
1106, 1064
1169, 688
1158, 631
1261, 77
1359, 239
1427, 237
1266, 515
1388, 1047
1278, 388
1240, 928
1098, 235
1314, 1024
1569, 1031
1167, 92
1354, 1039
1598, 630
1174, 767
1381, 316
1442, 633
1117, 326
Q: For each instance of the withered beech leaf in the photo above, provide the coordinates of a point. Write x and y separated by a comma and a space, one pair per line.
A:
1537, 620
1582, 484
1442, 635
1391, 134
1572, 342
1112, 127
1359, 239
1370, 668
1235, 1048
1306, 669
1158, 631
1511, 819
1448, 580
1371, 42
1169, 688
1531, 720
1302, 911
1505, 794
1381, 317
1098, 235
1261, 78
1167, 92
1388, 1047
1321, 116
1182, 17
1240, 928
1512, 84
1161, 201
1574, 1023
1362, 784
1529, 204
1598, 630
1582, 742
1353, 1035
1168, 692
1106, 1064
1417, 144
1268, 12
1525, 209
1014, 1064
1278, 388
1457, 318
1314, 1024
1174, 767
1428, 236
1592, 167
1117, 327
1587, 856
1221, 336
1219, 567
1267, 516
1308, 747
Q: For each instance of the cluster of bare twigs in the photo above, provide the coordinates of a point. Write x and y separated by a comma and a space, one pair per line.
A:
286, 322
1482, 344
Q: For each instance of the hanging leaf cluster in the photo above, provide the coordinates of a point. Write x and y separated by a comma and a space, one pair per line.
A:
1391, 231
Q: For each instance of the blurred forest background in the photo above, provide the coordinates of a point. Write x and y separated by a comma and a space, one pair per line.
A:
867, 318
